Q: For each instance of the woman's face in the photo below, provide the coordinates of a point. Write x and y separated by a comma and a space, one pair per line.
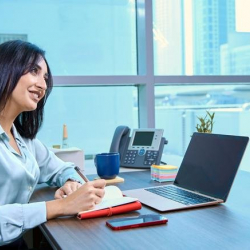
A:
30, 88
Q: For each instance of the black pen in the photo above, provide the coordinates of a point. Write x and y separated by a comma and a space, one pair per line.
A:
77, 169
164, 163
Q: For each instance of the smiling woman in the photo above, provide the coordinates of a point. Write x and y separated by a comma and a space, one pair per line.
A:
30, 89
22, 74
25, 84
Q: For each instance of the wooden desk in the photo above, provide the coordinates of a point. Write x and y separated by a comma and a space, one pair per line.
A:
225, 226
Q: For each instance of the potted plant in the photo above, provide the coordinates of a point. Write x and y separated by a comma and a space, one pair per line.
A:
206, 123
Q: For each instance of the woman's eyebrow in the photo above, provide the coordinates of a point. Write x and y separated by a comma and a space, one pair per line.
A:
39, 67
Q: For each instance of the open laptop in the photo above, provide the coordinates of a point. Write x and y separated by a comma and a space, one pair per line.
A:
204, 178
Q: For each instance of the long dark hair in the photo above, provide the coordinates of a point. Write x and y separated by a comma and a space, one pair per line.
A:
17, 58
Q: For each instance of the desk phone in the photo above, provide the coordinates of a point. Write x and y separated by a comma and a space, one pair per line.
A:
141, 150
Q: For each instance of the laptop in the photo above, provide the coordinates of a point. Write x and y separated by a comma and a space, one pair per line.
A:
205, 176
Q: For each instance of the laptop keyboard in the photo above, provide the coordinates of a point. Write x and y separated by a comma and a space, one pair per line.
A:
179, 195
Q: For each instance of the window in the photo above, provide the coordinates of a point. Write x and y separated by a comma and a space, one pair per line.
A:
177, 109
81, 37
153, 59
185, 37
91, 115
211, 58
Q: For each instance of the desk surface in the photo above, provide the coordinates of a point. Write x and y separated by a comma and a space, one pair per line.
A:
225, 226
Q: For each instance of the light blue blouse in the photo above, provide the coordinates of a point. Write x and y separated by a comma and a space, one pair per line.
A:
19, 175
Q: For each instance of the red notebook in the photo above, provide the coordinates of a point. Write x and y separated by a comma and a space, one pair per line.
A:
136, 205
113, 203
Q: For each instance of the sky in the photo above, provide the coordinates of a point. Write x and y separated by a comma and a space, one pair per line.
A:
242, 15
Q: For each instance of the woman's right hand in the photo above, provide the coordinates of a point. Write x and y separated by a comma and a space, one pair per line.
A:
84, 198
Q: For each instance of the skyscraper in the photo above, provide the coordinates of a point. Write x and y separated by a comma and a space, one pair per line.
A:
213, 21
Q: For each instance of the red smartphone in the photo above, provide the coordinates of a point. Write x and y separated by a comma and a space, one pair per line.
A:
133, 222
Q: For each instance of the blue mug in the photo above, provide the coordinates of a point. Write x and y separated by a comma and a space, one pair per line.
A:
107, 165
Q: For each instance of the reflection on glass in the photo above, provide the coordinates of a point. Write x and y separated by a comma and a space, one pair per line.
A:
195, 37
91, 115
177, 110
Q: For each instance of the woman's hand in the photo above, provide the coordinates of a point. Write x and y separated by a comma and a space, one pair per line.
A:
68, 188
84, 198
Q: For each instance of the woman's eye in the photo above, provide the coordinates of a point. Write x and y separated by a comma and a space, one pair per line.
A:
34, 71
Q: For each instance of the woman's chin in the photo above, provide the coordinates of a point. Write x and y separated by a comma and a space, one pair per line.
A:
31, 107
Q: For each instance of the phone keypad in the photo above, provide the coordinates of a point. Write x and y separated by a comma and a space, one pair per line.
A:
130, 157
150, 157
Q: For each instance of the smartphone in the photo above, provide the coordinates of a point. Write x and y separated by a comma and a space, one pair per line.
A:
133, 222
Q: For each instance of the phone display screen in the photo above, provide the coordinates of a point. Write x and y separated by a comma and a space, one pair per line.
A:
132, 222
143, 138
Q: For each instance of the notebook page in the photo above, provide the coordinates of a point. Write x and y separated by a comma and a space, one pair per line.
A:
112, 192
113, 197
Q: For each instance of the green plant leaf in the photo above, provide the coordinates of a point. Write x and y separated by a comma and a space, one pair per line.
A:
206, 123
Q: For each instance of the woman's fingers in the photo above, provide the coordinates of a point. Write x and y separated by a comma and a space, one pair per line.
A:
100, 192
100, 183
70, 186
59, 193
81, 197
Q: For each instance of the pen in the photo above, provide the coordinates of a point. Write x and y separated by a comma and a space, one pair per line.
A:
77, 169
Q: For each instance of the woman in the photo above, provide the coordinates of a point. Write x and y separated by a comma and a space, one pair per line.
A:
25, 84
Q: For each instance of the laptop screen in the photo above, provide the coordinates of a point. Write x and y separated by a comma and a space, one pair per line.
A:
210, 164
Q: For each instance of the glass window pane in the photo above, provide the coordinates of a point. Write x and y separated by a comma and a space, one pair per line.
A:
195, 37
168, 37
91, 115
81, 37
177, 109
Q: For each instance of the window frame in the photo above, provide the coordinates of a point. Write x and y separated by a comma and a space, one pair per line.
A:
145, 79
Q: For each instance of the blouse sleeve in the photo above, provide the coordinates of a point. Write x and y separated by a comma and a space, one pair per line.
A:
53, 170
15, 219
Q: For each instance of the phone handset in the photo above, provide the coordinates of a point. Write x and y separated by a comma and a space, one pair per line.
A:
120, 139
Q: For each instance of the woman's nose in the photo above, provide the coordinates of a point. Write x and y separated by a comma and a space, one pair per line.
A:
41, 84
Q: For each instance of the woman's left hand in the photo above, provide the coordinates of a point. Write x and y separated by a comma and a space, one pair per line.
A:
68, 188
